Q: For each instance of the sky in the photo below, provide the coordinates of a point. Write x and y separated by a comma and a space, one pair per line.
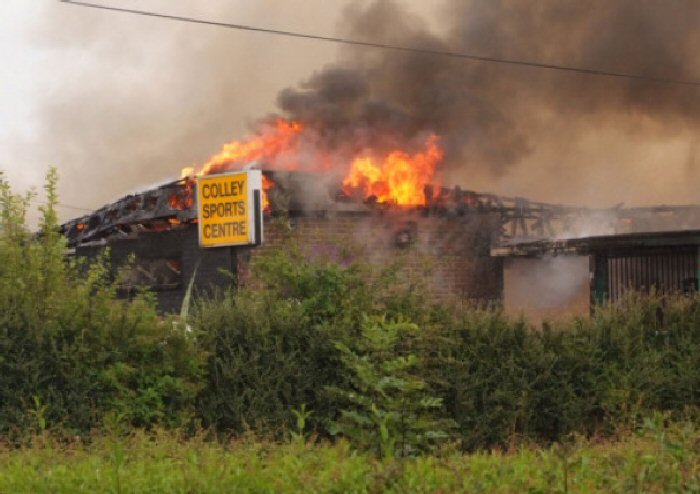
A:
120, 103
143, 95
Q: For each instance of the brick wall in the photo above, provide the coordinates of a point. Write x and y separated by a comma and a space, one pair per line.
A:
450, 253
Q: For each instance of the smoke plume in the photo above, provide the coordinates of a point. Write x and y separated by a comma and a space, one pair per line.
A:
169, 95
495, 117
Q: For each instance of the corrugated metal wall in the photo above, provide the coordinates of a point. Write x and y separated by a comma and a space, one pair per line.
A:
668, 271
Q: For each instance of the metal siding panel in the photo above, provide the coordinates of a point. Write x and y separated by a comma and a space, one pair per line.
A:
611, 278
675, 258
618, 279
618, 274
676, 272
623, 275
614, 268
671, 272
689, 269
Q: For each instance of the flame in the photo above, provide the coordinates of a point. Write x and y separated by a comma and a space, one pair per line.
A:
270, 143
184, 199
396, 177
267, 184
399, 178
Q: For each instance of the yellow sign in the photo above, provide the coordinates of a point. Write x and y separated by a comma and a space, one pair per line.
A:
229, 209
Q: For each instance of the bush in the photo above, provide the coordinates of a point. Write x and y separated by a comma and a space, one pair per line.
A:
387, 406
70, 351
510, 381
305, 329
276, 346
356, 348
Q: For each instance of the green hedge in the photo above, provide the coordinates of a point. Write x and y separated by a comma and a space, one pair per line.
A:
501, 380
71, 354
74, 356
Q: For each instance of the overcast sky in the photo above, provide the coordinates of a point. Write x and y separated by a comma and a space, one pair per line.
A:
120, 103
144, 96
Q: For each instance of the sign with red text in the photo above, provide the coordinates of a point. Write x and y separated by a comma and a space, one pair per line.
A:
229, 209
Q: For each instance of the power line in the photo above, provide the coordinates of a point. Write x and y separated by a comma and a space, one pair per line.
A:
425, 51
68, 206
60, 204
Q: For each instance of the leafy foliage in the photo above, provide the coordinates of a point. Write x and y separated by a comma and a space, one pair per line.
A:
389, 410
69, 348
660, 457
330, 345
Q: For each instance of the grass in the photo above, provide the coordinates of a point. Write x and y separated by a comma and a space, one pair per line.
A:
656, 459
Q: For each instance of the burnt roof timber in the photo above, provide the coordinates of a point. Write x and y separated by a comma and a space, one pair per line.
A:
152, 207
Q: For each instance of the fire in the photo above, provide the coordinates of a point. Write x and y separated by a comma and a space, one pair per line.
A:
267, 184
399, 178
272, 142
183, 199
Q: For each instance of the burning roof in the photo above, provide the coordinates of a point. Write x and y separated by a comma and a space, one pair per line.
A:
172, 205
392, 175
304, 171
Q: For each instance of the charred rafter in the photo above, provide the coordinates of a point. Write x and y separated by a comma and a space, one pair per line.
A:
523, 220
153, 210
173, 204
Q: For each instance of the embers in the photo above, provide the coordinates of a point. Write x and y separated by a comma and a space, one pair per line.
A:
183, 198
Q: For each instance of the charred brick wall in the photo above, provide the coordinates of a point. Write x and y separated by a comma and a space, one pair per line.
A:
450, 253
179, 244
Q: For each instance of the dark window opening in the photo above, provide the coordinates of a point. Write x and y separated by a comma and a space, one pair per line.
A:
158, 274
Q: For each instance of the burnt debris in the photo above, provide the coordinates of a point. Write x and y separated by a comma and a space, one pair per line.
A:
172, 205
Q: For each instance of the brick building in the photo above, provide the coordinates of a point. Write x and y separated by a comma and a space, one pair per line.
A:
464, 245
449, 248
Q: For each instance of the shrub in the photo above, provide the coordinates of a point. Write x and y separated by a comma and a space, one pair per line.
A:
69, 347
356, 348
388, 408
275, 347
510, 381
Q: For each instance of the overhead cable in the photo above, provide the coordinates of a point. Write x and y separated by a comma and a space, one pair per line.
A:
385, 46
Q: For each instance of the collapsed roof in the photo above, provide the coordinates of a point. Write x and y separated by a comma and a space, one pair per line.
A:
173, 205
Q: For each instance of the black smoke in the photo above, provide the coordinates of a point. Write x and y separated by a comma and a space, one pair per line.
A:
493, 116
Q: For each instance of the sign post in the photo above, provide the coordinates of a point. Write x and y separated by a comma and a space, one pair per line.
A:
229, 209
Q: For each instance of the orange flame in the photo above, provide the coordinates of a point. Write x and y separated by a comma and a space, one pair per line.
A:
271, 142
184, 199
399, 178
267, 184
